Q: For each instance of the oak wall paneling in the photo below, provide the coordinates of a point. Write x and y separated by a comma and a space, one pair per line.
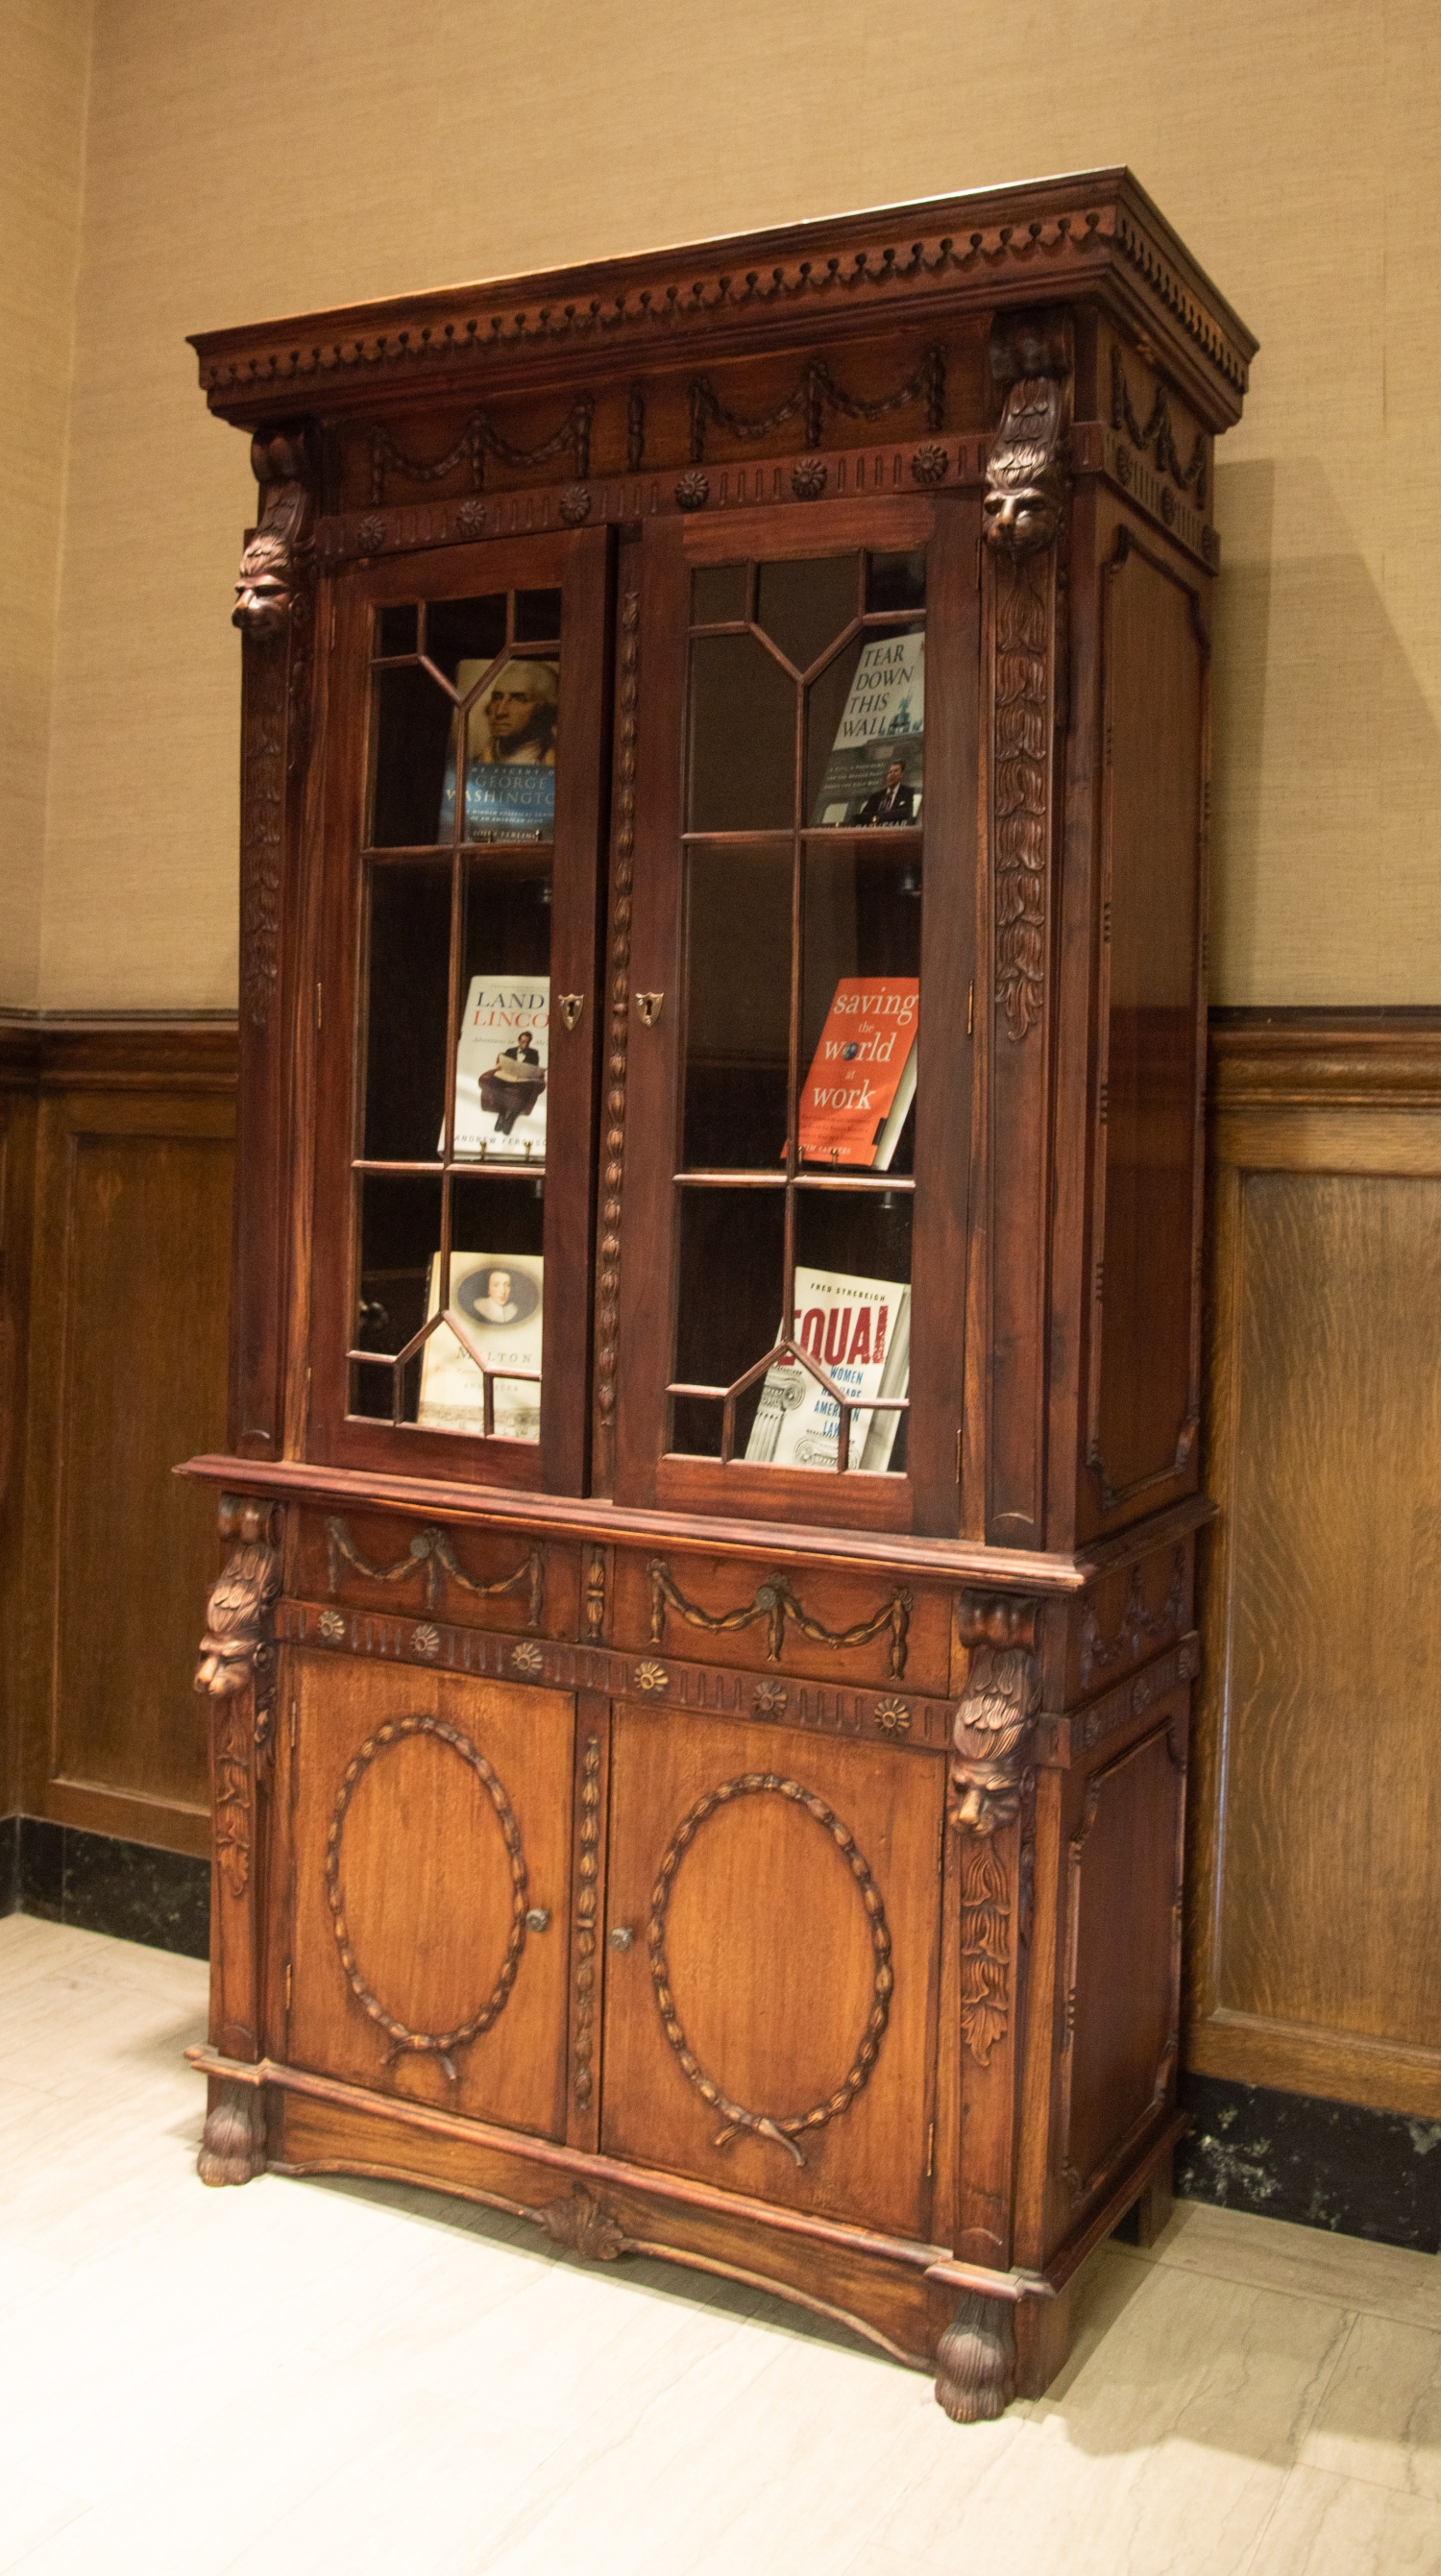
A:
125, 1368
18, 1069
1315, 1883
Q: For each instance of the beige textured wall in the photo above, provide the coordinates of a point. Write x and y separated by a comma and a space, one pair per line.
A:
249, 162
44, 61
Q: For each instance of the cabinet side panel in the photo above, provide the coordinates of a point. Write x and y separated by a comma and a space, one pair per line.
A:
1144, 1358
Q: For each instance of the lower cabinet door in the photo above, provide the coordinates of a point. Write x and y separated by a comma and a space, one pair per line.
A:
430, 1834
773, 1939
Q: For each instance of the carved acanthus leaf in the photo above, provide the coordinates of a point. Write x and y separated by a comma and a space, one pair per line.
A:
996, 1718
584, 2226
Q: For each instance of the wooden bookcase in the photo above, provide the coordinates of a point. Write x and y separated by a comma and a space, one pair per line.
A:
776, 1866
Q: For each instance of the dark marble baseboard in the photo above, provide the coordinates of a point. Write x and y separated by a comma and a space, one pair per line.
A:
1320, 2164
101, 1884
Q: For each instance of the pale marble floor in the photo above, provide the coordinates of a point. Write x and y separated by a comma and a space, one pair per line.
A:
305, 2377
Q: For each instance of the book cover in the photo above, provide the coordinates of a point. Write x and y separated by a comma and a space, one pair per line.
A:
502, 1066
509, 754
860, 1332
874, 773
862, 1078
500, 1296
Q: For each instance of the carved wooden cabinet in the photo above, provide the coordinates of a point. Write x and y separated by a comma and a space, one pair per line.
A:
699, 1690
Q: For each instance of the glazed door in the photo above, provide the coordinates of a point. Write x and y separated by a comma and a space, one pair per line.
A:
797, 1059
456, 1012
771, 1965
430, 1857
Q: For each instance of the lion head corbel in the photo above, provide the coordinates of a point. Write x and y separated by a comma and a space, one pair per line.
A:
275, 563
1032, 358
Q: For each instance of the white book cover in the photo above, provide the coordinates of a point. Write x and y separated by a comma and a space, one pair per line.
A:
860, 1332
874, 775
502, 1070
501, 1296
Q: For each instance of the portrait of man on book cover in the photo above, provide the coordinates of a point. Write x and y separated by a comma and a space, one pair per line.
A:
497, 1296
895, 802
510, 737
514, 723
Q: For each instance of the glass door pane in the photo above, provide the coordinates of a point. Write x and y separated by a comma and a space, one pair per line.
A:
465, 856
803, 876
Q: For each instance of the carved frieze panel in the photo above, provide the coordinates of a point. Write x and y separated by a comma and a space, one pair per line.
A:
617, 499
780, 1622
508, 1582
914, 1721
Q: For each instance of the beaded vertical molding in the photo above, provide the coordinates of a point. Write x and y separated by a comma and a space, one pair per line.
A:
617, 1038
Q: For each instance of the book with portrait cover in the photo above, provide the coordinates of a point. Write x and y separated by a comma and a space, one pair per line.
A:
874, 773
509, 753
862, 1080
860, 1332
499, 1296
502, 1067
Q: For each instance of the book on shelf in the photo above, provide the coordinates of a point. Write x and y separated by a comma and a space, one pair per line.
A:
860, 1332
500, 1295
502, 1065
862, 1079
509, 753
874, 775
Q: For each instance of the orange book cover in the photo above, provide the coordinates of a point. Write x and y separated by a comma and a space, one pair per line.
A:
863, 1073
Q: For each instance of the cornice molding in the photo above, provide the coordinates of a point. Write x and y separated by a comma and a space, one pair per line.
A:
1050, 239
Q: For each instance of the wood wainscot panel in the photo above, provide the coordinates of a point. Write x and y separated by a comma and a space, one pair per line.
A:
18, 1067
1315, 1908
129, 1318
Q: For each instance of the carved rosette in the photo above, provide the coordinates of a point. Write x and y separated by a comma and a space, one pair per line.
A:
237, 1673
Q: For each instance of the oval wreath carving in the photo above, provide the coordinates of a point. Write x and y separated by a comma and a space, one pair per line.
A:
433, 2043
735, 2117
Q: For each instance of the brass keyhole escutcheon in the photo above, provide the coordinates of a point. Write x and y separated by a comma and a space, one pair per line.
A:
649, 1006
571, 1006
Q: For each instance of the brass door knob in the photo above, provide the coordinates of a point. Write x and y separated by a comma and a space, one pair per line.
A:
538, 1919
621, 1936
